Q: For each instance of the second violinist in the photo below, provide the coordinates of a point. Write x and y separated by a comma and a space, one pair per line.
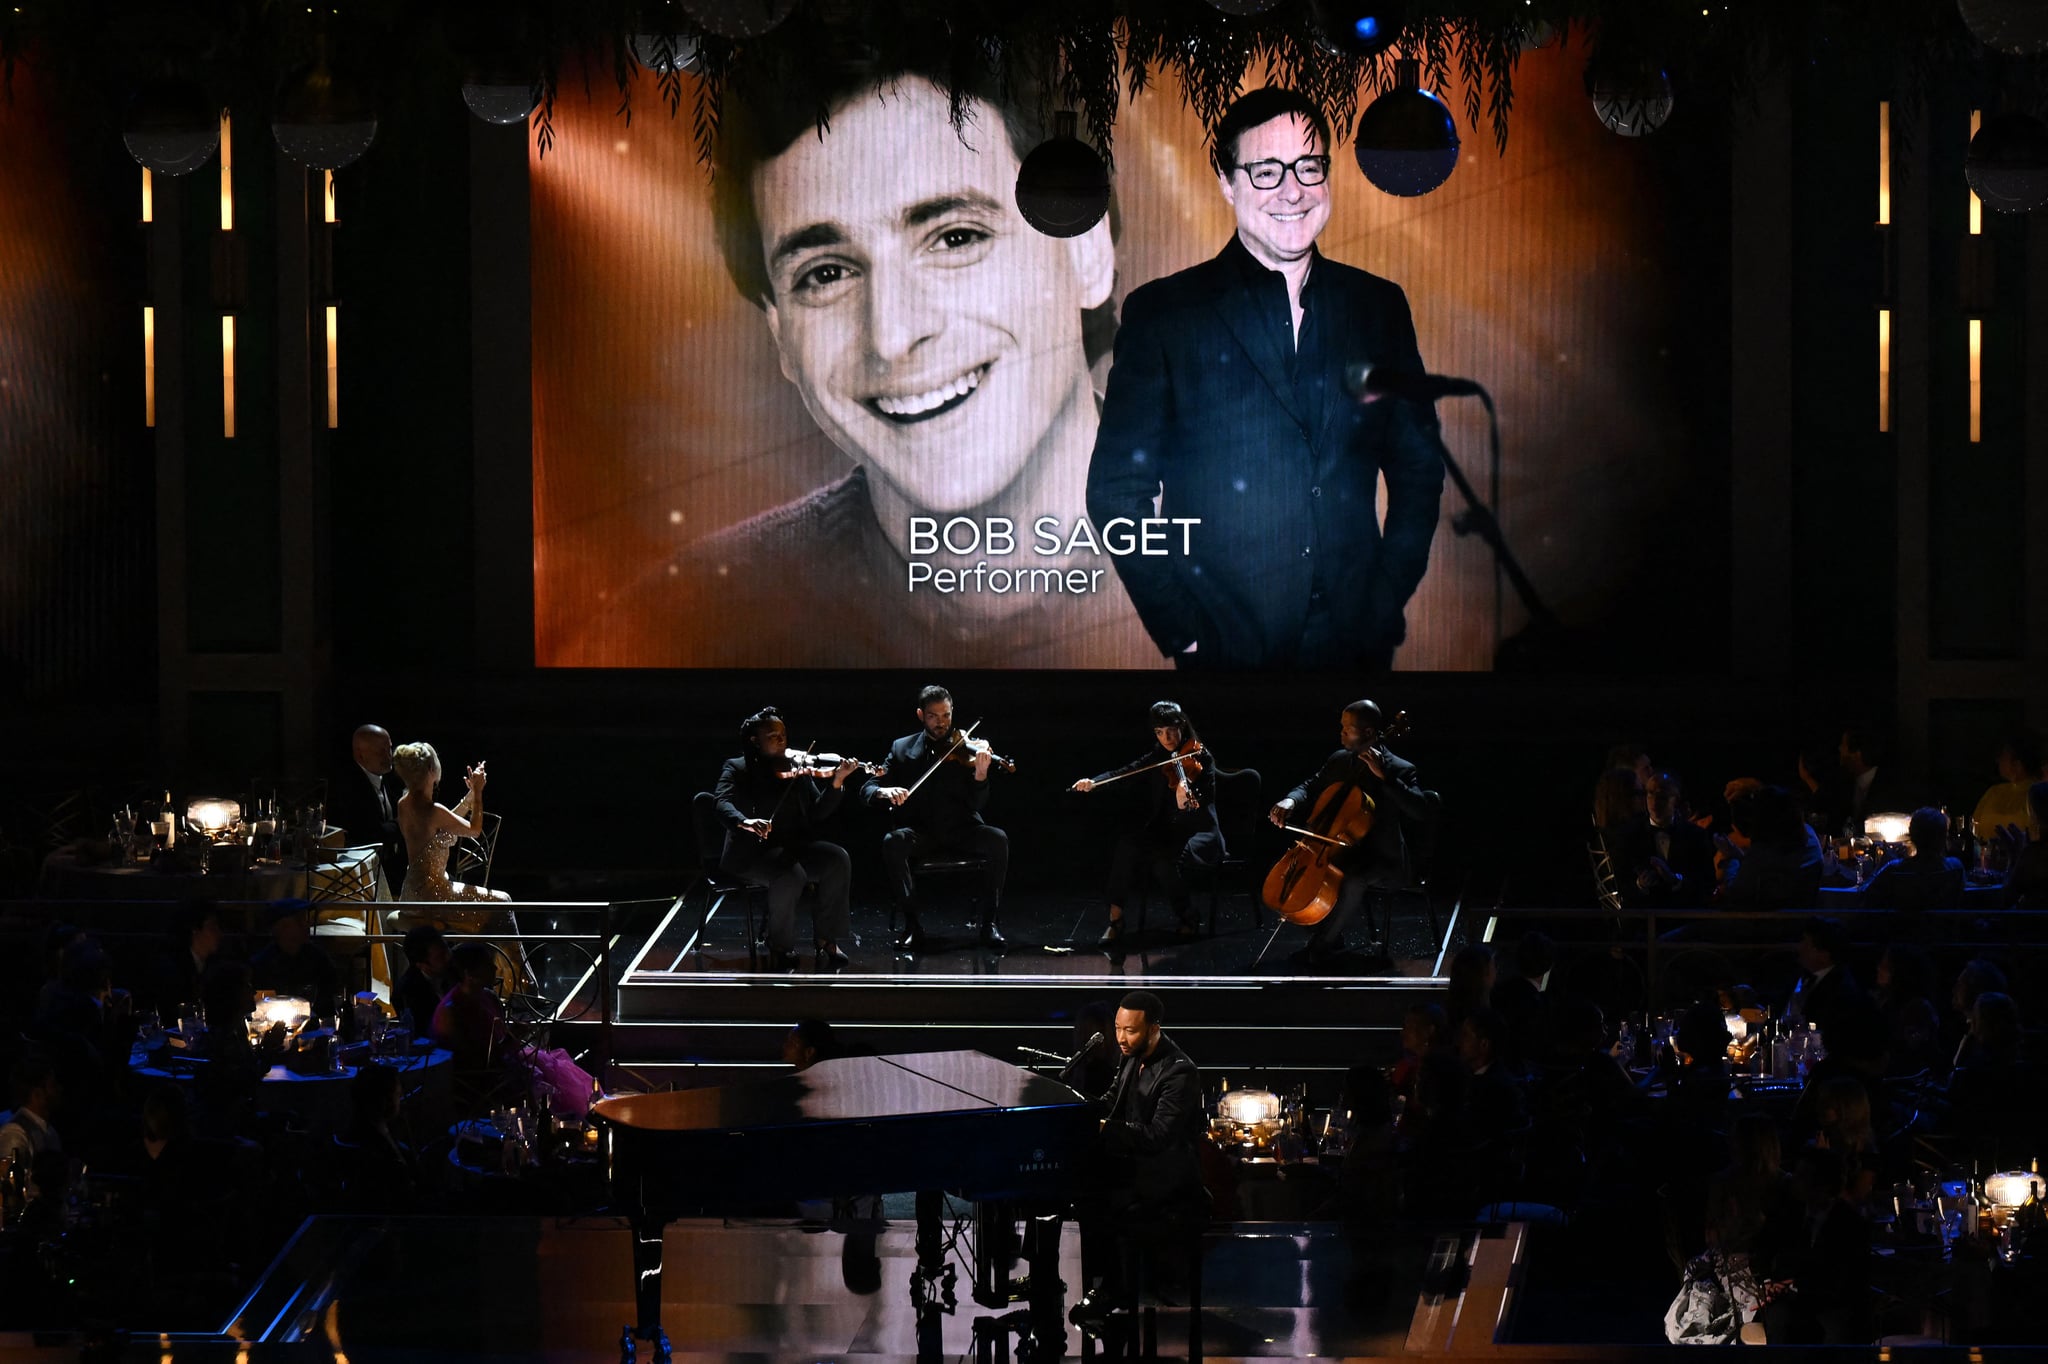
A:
1175, 829
771, 814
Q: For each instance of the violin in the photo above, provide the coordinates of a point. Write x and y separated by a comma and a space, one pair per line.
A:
1190, 754
805, 763
1304, 884
966, 748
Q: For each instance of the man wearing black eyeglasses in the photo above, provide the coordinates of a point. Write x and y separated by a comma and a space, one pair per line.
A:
1226, 403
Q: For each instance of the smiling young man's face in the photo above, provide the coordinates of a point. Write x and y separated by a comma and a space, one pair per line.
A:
1282, 223
933, 334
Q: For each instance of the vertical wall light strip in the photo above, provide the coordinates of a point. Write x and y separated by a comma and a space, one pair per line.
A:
327, 213
148, 197
1976, 204
148, 365
333, 367
227, 175
1884, 163
227, 375
1976, 380
1884, 370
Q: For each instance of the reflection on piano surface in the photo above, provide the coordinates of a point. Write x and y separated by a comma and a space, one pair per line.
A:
954, 1122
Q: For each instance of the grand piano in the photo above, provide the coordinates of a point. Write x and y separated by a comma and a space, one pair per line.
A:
930, 1123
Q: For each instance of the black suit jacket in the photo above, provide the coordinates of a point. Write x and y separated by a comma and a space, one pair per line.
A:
1154, 1117
1691, 856
750, 787
352, 803
1201, 412
949, 803
1382, 859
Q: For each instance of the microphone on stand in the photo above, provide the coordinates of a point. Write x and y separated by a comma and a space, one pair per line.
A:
1363, 381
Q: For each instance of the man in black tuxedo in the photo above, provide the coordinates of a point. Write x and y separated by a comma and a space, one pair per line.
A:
1826, 988
772, 817
1227, 402
363, 799
1667, 862
943, 816
1876, 787
1380, 860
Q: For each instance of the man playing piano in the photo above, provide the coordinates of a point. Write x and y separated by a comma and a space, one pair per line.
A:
941, 813
1152, 1195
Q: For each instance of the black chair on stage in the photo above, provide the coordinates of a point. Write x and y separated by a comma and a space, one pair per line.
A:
949, 865
717, 886
1166, 1237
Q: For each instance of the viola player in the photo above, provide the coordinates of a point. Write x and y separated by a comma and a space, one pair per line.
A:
772, 813
1380, 859
1175, 829
939, 812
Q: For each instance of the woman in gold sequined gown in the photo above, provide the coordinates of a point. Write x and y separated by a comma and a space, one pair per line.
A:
431, 828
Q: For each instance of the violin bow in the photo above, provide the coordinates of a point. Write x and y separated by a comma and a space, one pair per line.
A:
1151, 767
958, 739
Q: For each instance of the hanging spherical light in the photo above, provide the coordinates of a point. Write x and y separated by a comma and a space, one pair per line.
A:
1063, 185
1361, 28
324, 121
172, 127
2016, 26
1631, 95
739, 18
1407, 140
2008, 163
1244, 7
662, 53
496, 99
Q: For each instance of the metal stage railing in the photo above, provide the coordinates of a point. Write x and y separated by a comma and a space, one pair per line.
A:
1656, 939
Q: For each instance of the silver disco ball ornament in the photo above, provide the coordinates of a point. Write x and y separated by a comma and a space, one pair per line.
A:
739, 18
324, 121
171, 127
1407, 141
1063, 185
503, 103
1631, 96
1244, 7
662, 53
2016, 26
2008, 163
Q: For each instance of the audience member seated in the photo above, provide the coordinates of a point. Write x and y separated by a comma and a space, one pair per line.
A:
1977, 977
1995, 1107
1666, 861
1494, 1111
38, 1093
1845, 1127
1617, 804
469, 1021
1826, 984
376, 1170
1928, 879
2026, 877
1815, 1262
1905, 1000
1522, 1004
87, 1027
1424, 1029
57, 938
1822, 794
1583, 1089
1874, 785
419, 991
226, 1086
1752, 1192
1471, 982
174, 980
1778, 858
2020, 763
1699, 1091
293, 964
806, 1044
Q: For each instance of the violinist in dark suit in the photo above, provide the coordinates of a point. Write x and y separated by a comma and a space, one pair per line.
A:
363, 799
772, 807
1227, 403
1153, 1174
1389, 783
1178, 830
944, 815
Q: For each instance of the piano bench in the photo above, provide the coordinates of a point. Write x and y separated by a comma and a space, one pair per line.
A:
1144, 1322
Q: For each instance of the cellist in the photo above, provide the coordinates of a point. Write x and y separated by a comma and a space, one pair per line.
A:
1380, 860
1177, 829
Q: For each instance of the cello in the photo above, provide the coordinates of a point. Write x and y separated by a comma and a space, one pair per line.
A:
1304, 884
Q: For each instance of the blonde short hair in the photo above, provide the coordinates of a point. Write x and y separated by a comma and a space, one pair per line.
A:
415, 764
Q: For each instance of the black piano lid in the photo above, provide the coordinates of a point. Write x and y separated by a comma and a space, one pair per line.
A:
848, 1089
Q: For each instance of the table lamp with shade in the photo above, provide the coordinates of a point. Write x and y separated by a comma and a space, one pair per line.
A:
213, 816
1889, 827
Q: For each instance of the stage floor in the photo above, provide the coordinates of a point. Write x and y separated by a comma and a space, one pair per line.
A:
525, 1289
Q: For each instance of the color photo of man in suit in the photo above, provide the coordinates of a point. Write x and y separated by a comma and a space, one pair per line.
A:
1226, 403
